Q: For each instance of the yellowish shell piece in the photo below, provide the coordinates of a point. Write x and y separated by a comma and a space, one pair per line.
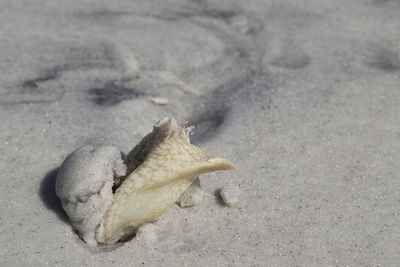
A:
161, 168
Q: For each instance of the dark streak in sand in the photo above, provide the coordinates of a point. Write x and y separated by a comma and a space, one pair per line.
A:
33, 84
112, 94
385, 60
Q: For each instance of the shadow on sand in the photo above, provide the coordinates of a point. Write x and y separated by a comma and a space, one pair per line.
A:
48, 194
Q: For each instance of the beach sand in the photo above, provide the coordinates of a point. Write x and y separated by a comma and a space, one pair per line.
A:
302, 96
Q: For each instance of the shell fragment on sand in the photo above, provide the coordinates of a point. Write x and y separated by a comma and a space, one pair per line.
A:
158, 170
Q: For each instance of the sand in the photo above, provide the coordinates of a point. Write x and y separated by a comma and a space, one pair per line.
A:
303, 96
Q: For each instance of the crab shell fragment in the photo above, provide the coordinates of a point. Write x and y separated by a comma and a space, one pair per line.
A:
159, 169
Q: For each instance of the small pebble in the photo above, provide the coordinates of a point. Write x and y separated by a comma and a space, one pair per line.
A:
230, 194
192, 196
147, 234
159, 100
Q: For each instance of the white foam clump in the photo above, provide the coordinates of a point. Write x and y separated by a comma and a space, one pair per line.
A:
84, 185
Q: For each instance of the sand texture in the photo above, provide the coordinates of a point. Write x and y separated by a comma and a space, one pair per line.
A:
302, 96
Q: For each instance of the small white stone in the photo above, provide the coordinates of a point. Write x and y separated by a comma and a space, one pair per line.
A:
147, 233
192, 196
230, 194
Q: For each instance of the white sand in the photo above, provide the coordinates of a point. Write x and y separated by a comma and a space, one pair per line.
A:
302, 96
